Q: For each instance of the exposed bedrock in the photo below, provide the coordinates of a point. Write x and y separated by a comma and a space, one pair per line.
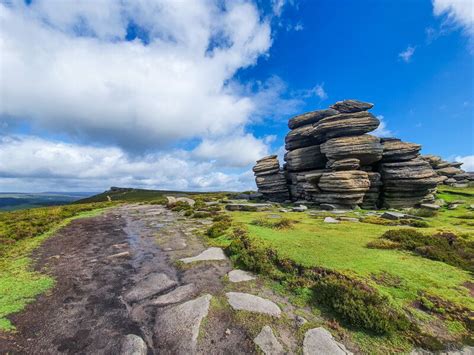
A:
366, 148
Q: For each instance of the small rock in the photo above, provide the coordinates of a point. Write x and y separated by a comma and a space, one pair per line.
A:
133, 345
430, 206
149, 286
248, 207
440, 202
267, 342
124, 254
171, 200
320, 341
300, 321
227, 332
330, 220
284, 210
187, 200
210, 254
393, 215
121, 245
240, 276
300, 208
453, 206
327, 207
471, 207
247, 302
458, 202
177, 295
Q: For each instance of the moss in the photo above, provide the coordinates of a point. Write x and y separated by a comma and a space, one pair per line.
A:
281, 223
218, 229
382, 244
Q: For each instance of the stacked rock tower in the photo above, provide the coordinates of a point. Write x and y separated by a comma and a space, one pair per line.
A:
331, 160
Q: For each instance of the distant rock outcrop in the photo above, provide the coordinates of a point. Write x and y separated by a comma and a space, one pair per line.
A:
332, 160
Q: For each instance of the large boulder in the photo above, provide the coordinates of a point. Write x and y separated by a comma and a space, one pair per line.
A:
344, 124
365, 147
310, 118
300, 137
270, 179
348, 106
396, 150
305, 159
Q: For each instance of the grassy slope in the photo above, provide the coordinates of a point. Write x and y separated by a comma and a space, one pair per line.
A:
342, 247
19, 285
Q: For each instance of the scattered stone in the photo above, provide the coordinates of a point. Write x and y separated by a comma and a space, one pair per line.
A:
124, 254
330, 220
227, 332
440, 202
210, 254
283, 210
349, 219
177, 295
300, 208
149, 286
320, 341
268, 343
120, 246
177, 328
453, 206
247, 302
133, 345
240, 276
430, 206
171, 200
394, 216
300, 321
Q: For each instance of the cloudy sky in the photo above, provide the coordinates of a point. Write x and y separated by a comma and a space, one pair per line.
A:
188, 94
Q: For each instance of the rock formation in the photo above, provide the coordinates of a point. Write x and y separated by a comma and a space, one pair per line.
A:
449, 173
333, 161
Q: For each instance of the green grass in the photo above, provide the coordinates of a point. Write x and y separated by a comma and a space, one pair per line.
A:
19, 284
401, 275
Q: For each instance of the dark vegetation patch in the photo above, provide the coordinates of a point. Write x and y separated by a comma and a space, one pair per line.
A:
401, 222
387, 279
446, 310
442, 246
423, 212
348, 297
24, 224
281, 223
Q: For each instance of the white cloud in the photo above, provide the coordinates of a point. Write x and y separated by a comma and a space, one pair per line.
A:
96, 86
277, 7
457, 12
318, 91
468, 162
382, 130
34, 164
407, 54
239, 150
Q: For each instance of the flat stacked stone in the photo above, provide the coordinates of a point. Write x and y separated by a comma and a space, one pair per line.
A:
450, 173
372, 196
396, 150
366, 148
408, 183
304, 159
270, 179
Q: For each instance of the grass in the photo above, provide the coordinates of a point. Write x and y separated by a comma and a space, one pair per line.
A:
19, 284
400, 275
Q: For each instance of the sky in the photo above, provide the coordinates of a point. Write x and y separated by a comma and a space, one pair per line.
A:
187, 95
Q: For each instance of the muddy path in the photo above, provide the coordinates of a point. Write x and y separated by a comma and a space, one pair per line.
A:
111, 271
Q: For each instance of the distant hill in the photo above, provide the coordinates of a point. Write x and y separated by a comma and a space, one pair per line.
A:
19, 201
132, 195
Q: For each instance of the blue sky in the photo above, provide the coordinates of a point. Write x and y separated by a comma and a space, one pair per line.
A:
187, 95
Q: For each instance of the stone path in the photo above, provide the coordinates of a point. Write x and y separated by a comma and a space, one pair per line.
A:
121, 289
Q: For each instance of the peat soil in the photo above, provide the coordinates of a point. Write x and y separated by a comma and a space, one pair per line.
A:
95, 262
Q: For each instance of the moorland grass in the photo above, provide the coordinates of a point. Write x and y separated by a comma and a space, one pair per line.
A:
19, 284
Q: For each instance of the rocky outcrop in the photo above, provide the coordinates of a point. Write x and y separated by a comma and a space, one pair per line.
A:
332, 160
270, 179
450, 173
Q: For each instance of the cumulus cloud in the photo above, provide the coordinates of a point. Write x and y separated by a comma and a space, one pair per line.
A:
49, 165
468, 162
407, 54
382, 130
458, 13
79, 75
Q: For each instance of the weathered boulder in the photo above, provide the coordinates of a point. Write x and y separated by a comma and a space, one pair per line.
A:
302, 159
352, 106
310, 118
344, 124
270, 179
300, 137
365, 147
267, 165
396, 150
